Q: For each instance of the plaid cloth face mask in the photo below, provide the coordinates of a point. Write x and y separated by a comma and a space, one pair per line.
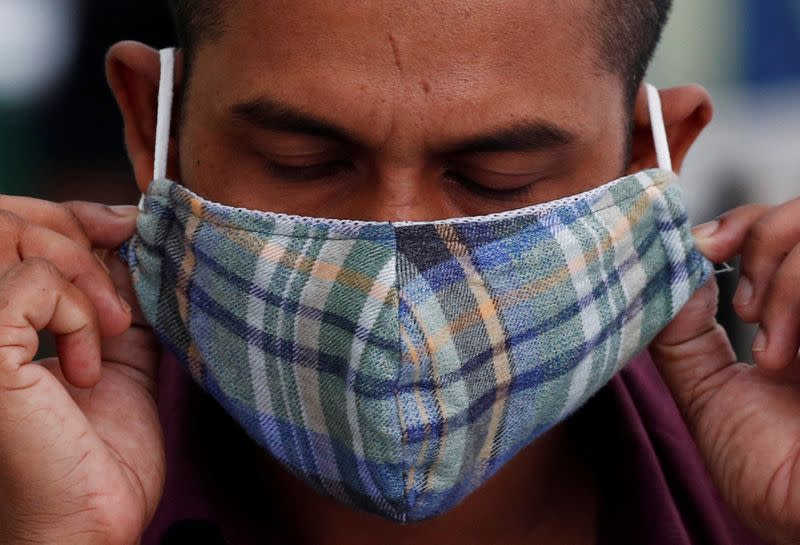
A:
397, 366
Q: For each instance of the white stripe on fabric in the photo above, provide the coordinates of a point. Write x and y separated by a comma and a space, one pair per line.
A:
285, 369
307, 332
598, 239
319, 436
590, 318
266, 266
373, 306
673, 245
308, 329
633, 281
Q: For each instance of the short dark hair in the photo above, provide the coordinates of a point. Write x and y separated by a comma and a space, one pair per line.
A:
628, 31
197, 21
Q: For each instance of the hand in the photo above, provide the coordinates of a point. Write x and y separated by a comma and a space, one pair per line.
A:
81, 449
746, 419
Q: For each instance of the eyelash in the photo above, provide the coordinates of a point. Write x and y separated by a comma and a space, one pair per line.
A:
482, 190
291, 173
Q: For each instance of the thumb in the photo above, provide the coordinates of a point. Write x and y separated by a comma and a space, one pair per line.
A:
723, 238
692, 350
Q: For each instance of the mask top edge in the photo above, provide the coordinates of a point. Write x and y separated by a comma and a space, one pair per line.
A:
165, 188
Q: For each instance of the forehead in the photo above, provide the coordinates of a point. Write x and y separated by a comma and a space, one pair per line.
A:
420, 56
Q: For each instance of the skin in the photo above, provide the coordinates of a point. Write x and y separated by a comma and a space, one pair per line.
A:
81, 453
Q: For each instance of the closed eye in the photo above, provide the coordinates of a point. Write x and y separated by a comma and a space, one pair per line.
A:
306, 173
482, 190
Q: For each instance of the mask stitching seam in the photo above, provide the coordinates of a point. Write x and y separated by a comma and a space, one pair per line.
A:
400, 363
656, 175
230, 226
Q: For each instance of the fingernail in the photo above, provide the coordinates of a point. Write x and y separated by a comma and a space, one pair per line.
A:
101, 260
125, 305
760, 344
706, 230
744, 293
126, 212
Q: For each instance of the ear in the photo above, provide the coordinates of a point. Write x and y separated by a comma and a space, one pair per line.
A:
687, 111
133, 71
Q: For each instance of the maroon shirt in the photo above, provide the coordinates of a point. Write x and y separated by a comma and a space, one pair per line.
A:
646, 462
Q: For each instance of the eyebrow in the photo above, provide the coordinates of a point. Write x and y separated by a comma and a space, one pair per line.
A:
526, 136
273, 116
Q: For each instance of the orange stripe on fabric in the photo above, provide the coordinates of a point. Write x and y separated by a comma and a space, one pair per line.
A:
426, 421
494, 329
440, 401
542, 285
315, 268
186, 271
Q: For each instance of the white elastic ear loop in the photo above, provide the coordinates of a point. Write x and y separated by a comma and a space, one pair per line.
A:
659, 129
165, 97
662, 149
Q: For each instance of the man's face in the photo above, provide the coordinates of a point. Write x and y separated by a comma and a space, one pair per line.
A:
401, 109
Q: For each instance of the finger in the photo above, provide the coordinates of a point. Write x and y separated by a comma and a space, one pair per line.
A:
34, 295
88, 224
697, 317
770, 239
137, 351
20, 241
724, 238
47, 214
137, 354
788, 375
778, 340
82, 268
106, 226
121, 278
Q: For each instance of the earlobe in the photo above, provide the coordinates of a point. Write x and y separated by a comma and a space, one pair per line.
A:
133, 72
687, 111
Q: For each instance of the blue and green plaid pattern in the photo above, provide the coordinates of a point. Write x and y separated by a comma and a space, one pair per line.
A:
397, 366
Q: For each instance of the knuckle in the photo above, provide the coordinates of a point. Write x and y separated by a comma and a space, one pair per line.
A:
748, 213
9, 222
18, 345
70, 217
787, 282
40, 268
30, 272
72, 223
18, 336
761, 233
760, 209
